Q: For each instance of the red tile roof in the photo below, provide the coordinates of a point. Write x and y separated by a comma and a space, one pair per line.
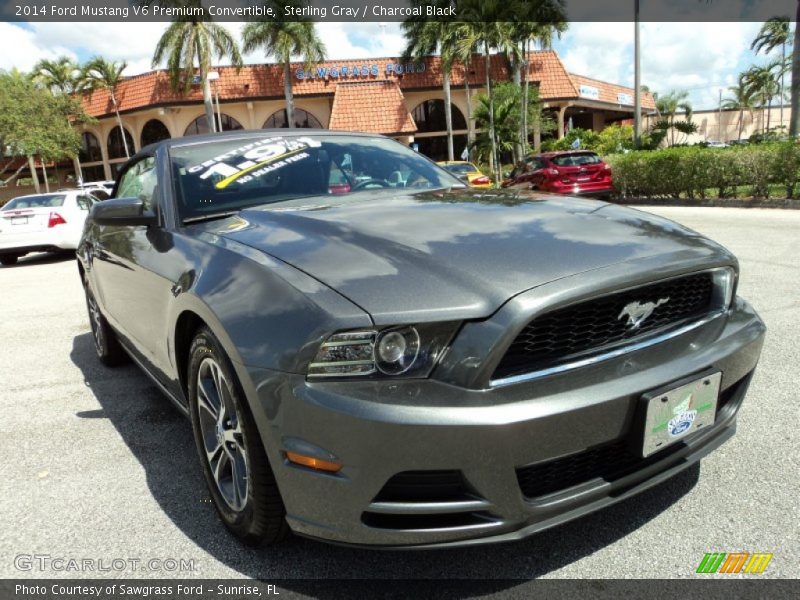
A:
609, 92
372, 107
266, 82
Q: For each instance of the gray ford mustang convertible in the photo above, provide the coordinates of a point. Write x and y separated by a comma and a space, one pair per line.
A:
369, 353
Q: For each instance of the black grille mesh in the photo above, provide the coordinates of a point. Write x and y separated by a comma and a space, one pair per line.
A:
609, 462
580, 329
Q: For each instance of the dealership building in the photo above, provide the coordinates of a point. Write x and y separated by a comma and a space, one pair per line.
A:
377, 95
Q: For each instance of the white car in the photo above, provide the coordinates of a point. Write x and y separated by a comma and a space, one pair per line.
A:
42, 223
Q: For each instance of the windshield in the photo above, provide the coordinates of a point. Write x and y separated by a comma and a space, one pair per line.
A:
44, 201
461, 168
576, 160
227, 175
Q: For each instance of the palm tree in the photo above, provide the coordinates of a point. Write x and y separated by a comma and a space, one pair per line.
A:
741, 100
463, 52
669, 106
60, 76
488, 25
190, 40
539, 35
763, 86
283, 40
100, 73
773, 33
424, 38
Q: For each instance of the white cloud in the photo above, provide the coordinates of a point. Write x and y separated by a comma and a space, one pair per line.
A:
21, 48
696, 57
135, 42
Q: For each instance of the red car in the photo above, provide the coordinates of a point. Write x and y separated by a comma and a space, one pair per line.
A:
572, 172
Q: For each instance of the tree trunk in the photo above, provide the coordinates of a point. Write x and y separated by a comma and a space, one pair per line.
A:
783, 76
525, 98
76, 163
14, 175
470, 136
769, 112
287, 91
34, 174
488, 64
208, 101
516, 77
448, 114
794, 103
44, 173
741, 123
121, 128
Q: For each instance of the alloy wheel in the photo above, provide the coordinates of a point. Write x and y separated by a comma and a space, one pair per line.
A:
222, 435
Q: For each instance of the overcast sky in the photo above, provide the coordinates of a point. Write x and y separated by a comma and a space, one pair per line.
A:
700, 58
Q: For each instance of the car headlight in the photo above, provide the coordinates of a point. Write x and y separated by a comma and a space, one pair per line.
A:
402, 351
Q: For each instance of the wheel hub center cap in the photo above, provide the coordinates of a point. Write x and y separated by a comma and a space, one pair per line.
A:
220, 435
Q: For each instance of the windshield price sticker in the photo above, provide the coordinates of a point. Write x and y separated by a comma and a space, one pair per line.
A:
258, 159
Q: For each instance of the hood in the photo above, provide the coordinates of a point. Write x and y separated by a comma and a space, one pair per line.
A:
437, 256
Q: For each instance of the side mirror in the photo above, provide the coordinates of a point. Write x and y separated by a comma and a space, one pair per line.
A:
122, 211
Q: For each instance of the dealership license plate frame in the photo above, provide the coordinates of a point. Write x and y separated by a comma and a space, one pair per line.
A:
675, 411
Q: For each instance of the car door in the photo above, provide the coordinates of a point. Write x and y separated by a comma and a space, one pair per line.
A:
132, 265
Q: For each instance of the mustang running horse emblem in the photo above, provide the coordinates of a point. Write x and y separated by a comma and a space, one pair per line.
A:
637, 312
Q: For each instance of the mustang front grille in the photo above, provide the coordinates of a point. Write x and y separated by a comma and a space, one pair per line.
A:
593, 326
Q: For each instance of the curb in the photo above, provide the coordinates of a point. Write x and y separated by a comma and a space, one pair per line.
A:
784, 203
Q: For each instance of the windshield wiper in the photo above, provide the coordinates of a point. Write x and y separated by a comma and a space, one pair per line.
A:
210, 217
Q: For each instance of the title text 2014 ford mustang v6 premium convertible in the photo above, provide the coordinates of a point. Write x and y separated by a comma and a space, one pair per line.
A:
370, 353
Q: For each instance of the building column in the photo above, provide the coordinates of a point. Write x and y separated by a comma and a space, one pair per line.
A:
561, 111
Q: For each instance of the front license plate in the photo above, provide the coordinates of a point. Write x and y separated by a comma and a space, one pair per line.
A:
673, 413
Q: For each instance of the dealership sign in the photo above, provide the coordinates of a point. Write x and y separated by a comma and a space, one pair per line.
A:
358, 71
623, 98
588, 91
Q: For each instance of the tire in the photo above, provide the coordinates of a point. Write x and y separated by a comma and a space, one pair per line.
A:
244, 490
8, 259
106, 344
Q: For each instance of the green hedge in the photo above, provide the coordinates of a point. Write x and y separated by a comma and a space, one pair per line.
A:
697, 172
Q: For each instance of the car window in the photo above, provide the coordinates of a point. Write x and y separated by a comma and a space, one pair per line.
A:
461, 169
43, 201
139, 181
84, 202
575, 160
231, 174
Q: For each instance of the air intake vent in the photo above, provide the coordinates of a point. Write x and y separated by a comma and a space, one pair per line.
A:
429, 500
610, 462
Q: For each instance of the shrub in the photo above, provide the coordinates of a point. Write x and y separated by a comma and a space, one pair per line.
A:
695, 172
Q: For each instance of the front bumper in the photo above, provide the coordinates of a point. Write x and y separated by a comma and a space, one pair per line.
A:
380, 429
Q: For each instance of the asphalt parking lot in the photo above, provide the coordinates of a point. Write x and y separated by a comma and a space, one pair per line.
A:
99, 465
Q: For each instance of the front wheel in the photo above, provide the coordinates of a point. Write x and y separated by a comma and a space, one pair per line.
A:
235, 465
8, 259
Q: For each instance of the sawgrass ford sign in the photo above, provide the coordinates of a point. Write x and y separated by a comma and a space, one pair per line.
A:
358, 71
